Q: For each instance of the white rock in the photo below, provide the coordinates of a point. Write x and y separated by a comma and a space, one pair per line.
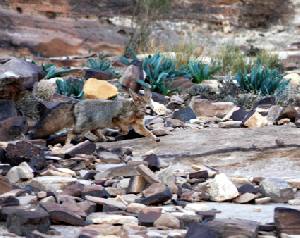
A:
18, 173
221, 188
159, 108
52, 183
104, 218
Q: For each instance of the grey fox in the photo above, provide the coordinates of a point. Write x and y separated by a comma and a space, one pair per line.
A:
93, 115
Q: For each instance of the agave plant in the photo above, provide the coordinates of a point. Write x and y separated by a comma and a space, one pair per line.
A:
72, 87
261, 80
52, 71
101, 64
158, 70
200, 71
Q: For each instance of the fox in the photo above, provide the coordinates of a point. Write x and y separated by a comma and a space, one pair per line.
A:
122, 113
95, 114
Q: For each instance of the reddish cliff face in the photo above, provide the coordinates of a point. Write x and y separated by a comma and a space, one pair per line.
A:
72, 27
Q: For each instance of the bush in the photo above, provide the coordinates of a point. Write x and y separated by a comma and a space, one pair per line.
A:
269, 60
261, 80
231, 59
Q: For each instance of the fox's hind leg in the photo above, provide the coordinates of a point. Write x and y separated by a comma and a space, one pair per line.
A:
140, 128
99, 134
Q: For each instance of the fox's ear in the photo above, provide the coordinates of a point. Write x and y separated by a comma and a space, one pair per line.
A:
133, 95
148, 94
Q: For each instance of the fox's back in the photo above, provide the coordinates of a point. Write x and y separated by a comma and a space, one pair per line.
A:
93, 114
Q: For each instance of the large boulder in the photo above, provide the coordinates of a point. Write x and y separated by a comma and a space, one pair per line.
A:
20, 173
17, 75
99, 89
278, 189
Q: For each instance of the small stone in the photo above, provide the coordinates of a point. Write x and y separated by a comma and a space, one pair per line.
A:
278, 189
20, 173
245, 198
109, 158
110, 203
101, 230
206, 108
153, 162
199, 174
295, 183
135, 208
248, 188
130, 77
255, 120
294, 202
148, 175
113, 219
263, 200
149, 215
64, 214
230, 124
63, 172
221, 188
184, 114
99, 89
136, 184
197, 230
86, 147
167, 221
156, 194
159, 109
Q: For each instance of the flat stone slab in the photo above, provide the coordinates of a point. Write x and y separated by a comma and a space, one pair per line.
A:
271, 151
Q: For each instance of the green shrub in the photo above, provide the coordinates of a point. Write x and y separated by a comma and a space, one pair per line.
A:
261, 80
72, 87
101, 64
231, 59
200, 71
269, 60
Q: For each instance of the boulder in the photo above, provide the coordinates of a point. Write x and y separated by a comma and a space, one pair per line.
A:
18, 75
206, 108
278, 189
12, 128
99, 89
24, 221
159, 109
52, 183
7, 109
147, 174
255, 120
245, 198
130, 77
70, 214
136, 184
55, 116
153, 162
221, 188
20, 173
287, 221
86, 147
288, 112
196, 230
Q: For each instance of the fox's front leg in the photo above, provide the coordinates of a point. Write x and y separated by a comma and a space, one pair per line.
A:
140, 128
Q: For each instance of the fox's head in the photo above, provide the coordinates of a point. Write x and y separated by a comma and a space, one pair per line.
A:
142, 102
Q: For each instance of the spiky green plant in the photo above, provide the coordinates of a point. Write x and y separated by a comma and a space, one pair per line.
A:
269, 60
72, 87
261, 80
200, 71
102, 64
160, 70
53, 72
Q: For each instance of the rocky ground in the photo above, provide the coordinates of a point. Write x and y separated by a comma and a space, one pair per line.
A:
218, 171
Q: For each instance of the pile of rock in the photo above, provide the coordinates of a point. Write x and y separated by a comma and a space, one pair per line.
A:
111, 192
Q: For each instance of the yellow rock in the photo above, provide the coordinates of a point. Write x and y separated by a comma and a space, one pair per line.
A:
99, 89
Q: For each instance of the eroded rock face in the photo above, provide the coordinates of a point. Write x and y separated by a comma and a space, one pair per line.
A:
59, 28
